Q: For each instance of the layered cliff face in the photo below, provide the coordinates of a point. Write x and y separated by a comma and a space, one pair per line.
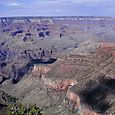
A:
64, 65
92, 92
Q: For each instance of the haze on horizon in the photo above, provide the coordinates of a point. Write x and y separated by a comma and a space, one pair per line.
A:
57, 8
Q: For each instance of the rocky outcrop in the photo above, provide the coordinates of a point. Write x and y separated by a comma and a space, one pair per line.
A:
66, 84
40, 70
16, 32
6, 21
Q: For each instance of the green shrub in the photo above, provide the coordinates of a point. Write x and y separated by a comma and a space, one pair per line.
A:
23, 110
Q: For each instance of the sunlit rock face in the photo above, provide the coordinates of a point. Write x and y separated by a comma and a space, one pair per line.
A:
108, 47
66, 83
40, 70
73, 97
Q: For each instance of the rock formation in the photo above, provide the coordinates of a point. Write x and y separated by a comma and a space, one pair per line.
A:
65, 65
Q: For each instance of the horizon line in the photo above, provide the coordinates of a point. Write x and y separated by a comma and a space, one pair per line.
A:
53, 16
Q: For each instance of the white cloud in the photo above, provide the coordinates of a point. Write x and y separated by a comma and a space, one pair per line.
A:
108, 8
13, 4
57, 10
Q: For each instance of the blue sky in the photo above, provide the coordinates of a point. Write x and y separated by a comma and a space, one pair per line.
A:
57, 8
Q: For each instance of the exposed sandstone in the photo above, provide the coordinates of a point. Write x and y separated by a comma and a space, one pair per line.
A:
40, 70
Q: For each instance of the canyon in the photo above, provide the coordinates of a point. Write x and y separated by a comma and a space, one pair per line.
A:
64, 65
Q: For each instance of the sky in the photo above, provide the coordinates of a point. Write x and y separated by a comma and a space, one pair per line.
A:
57, 8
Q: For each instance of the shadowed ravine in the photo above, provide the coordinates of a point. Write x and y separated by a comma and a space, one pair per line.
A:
21, 72
96, 98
